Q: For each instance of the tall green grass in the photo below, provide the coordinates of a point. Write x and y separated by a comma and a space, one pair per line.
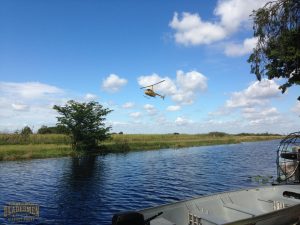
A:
158, 141
19, 139
16, 146
17, 152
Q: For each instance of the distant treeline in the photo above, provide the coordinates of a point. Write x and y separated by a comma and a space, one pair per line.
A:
63, 130
52, 130
258, 134
42, 130
44, 135
21, 139
59, 135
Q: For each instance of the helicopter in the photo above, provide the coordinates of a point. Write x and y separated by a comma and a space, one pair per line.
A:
150, 92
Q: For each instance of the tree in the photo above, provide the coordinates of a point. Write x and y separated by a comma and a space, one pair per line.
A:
85, 123
277, 52
26, 131
52, 130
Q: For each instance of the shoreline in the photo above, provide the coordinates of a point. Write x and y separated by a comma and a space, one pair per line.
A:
45, 148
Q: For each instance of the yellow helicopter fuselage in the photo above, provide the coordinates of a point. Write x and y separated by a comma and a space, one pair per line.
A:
150, 92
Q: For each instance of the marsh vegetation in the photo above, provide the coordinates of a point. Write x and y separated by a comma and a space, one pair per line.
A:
19, 146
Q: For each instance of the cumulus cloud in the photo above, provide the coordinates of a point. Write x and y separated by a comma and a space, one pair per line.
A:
181, 121
117, 123
190, 29
29, 103
253, 105
241, 49
234, 13
20, 107
28, 90
296, 108
265, 117
173, 108
183, 90
150, 109
128, 105
256, 94
256, 115
90, 97
191, 81
113, 83
135, 115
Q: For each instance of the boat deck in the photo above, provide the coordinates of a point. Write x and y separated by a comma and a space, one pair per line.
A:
264, 205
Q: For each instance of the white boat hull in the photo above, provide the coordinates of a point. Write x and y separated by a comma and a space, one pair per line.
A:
272, 205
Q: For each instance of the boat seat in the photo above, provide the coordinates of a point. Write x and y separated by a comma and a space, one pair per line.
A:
249, 211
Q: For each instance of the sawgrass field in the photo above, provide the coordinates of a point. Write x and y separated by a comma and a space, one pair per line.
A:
17, 146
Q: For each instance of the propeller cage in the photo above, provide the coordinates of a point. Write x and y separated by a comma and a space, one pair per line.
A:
288, 159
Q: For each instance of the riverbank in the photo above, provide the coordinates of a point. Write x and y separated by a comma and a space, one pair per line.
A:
18, 147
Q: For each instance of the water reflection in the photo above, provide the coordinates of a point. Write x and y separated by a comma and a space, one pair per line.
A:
78, 192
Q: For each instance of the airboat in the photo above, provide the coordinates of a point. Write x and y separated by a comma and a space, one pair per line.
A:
267, 205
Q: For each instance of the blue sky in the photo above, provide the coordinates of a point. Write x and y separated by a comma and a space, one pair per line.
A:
54, 51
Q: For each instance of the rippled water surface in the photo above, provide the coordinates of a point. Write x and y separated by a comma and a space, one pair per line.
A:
90, 190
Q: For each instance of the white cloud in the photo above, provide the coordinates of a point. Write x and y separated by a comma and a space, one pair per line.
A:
161, 120
173, 108
253, 112
117, 123
248, 110
15, 116
113, 83
184, 97
20, 107
241, 49
128, 105
29, 103
264, 117
191, 81
233, 13
90, 97
135, 115
251, 107
256, 94
262, 113
150, 109
296, 108
183, 90
181, 121
28, 90
190, 29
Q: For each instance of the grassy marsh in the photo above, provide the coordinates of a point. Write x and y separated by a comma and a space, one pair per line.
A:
16, 146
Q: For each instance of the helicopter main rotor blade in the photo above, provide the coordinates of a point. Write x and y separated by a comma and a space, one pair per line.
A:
153, 84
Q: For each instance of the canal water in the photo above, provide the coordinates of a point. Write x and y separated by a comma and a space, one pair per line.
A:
90, 190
